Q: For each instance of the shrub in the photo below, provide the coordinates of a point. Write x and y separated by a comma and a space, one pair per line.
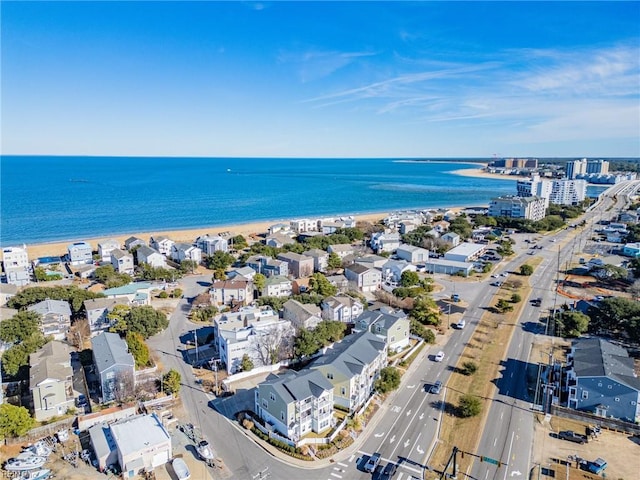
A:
470, 406
515, 298
526, 270
163, 294
469, 368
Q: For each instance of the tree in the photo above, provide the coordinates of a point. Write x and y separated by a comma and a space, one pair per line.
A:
572, 323
259, 282
188, 266
515, 298
330, 331
614, 315
171, 382
469, 368
409, 279
319, 284
634, 265
505, 248
246, 364
334, 261
32, 295
634, 290
273, 344
239, 242
22, 325
219, 260
42, 276
503, 306
138, 349
416, 328
146, 320
526, 270
426, 311
470, 406
306, 343
14, 421
389, 380
123, 386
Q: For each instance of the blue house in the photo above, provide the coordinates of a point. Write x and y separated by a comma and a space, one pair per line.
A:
601, 380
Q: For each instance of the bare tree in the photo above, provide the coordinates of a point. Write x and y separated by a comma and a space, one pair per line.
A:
79, 333
123, 386
273, 344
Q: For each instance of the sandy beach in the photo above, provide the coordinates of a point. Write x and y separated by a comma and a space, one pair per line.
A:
478, 172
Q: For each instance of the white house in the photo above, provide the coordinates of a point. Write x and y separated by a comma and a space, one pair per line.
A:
341, 308
342, 249
231, 292
277, 286
386, 241
122, 261
301, 315
106, 247
97, 310
412, 254
364, 278
162, 244
451, 238
185, 251
392, 270
151, 257
211, 244
80, 253
55, 317
136, 293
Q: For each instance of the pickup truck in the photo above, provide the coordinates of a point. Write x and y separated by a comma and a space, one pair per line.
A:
572, 437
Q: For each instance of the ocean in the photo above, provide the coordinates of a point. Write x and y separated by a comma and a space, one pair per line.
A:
46, 199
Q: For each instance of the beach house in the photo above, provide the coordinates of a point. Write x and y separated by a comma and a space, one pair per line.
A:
301, 315
151, 257
390, 325
97, 311
50, 381
122, 261
364, 278
277, 286
80, 253
320, 259
55, 317
105, 248
299, 265
16, 266
268, 266
162, 244
231, 292
114, 365
211, 244
136, 293
185, 251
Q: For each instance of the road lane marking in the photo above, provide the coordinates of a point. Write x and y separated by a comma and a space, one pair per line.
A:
352, 457
378, 435
408, 413
421, 416
336, 475
495, 440
406, 444
411, 386
509, 454
342, 464
392, 439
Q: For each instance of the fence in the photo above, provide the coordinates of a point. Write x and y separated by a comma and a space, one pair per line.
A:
43, 431
610, 423
269, 432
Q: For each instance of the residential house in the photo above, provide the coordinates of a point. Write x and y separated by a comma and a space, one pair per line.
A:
278, 228
55, 317
80, 253
392, 270
122, 261
51, 380
106, 247
278, 240
407, 226
441, 226
352, 367
364, 278
601, 379
296, 403
137, 444
631, 250
393, 326
342, 249
301, 315
211, 244
277, 286
114, 364
133, 242
231, 292
268, 266
259, 341
341, 308
151, 257
136, 293
245, 317
18, 276
466, 252
629, 217
162, 244
246, 273
451, 238
339, 281
320, 259
186, 251
299, 265
7, 291
97, 310
301, 285
372, 261
412, 254
304, 225
386, 241
16, 266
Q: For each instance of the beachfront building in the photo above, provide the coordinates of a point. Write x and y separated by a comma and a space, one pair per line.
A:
364, 278
386, 241
151, 257
299, 265
535, 187
303, 225
50, 381
390, 325
16, 266
412, 254
186, 251
466, 252
133, 242
530, 208
278, 240
568, 192
122, 261
320, 259
352, 366
277, 286
162, 244
211, 244
441, 226
55, 317
268, 266
115, 366
97, 311
301, 315
105, 248
80, 253
231, 292
137, 293
341, 308
295, 403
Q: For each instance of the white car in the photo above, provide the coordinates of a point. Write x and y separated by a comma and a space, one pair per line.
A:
439, 356
461, 324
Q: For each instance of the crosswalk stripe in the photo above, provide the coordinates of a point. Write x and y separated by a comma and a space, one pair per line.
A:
336, 475
342, 464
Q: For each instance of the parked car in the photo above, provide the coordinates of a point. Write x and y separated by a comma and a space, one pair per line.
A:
436, 387
597, 466
439, 356
372, 463
572, 437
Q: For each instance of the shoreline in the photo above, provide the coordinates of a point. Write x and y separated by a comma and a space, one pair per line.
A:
478, 172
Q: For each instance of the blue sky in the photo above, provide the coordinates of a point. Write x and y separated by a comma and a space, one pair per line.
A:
325, 79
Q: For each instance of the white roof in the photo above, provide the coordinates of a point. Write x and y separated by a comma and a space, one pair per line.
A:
142, 432
467, 249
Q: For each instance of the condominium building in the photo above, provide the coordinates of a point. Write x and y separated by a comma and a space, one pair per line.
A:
530, 208
568, 192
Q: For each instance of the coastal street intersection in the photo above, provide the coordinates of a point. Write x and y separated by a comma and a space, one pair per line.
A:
406, 427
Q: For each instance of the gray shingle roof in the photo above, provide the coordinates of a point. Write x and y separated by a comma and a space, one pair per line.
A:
109, 350
596, 357
58, 307
295, 386
51, 361
352, 354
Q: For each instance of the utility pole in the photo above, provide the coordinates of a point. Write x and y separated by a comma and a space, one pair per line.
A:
195, 340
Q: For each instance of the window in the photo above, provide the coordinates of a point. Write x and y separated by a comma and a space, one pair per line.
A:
343, 390
585, 394
632, 402
330, 376
282, 415
609, 387
599, 384
265, 404
272, 397
617, 399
